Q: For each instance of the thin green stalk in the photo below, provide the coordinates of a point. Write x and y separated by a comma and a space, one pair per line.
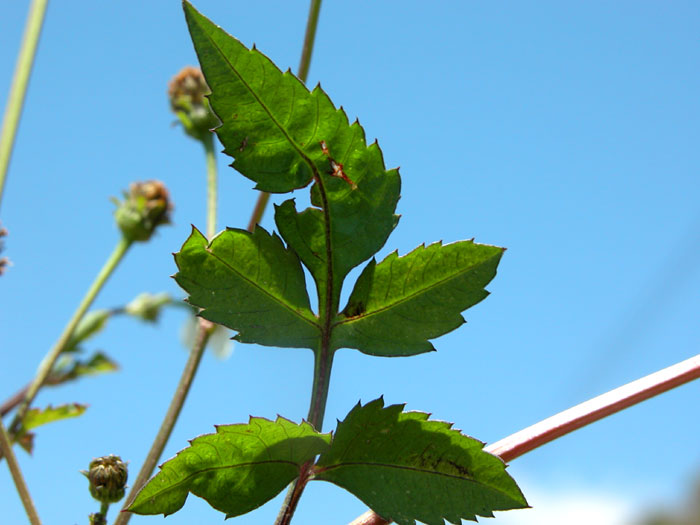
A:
204, 332
302, 73
6, 448
212, 188
104, 508
48, 362
18, 91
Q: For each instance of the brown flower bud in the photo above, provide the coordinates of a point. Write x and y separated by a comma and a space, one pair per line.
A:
107, 476
187, 92
145, 207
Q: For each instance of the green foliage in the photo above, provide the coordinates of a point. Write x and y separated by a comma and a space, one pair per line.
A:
37, 416
406, 467
250, 283
91, 324
285, 137
70, 368
236, 470
400, 303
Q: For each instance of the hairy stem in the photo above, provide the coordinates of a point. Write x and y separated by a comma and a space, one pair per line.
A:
6, 448
212, 188
581, 415
18, 90
48, 362
302, 73
204, 330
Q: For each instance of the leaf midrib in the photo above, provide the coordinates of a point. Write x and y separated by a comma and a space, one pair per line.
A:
174, 486
321, 469
410, 297
262, 103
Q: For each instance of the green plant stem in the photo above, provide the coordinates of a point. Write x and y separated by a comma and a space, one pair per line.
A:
302, 74
203, 333
6, 448
581, 415
104, 508
48, 362
212, 187
18, 90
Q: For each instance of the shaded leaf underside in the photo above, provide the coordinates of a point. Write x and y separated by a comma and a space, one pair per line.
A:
235, 470
407, 468
402, 302
251, 283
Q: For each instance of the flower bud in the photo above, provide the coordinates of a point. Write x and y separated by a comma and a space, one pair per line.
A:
187, 92
145, 207
98, 519
107, 476
148, 306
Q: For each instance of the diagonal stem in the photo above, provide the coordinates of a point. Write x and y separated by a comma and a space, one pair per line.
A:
6, 448
204, 331
15, 100
581, 415
48, 362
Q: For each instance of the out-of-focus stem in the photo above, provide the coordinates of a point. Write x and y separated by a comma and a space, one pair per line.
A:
6, 448
48, 362
204, 330
212, 187
18, 90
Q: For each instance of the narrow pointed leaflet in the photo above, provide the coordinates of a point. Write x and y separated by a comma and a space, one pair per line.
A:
251, 283
406, 467
400, 303
284, 137
235, 470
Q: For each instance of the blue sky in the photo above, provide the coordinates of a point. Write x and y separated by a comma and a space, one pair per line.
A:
566, 132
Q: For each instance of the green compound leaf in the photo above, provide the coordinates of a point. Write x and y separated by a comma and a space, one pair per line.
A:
282, 137
400, 303
407, 468
236, 470
251, 283
42, 416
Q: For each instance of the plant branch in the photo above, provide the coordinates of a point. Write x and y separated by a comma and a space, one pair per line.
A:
212, 188
18, 90
302, 73
6, 448
46, 366
205, 329
581, 415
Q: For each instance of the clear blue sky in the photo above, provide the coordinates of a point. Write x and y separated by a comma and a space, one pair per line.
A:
566, 132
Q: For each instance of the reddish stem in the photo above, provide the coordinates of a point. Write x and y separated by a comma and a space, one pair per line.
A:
581, 415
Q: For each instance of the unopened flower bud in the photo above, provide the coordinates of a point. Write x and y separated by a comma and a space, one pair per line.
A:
98, 519
107, 476
145, 207
148, 306
186, 92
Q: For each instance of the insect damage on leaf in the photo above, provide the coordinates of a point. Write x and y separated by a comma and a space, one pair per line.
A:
336, 167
